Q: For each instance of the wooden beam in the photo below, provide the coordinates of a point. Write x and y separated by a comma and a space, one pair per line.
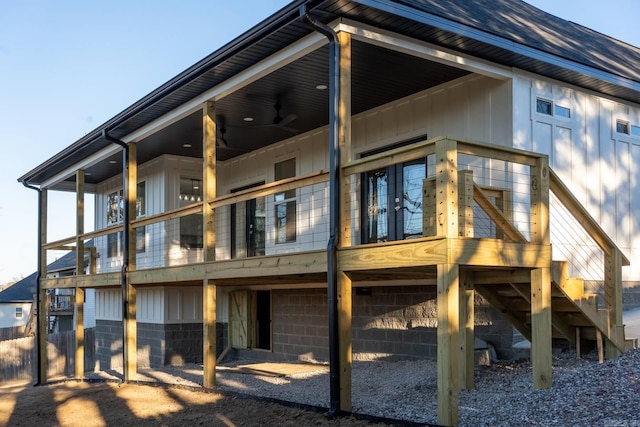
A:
344, 302
541, 330
408, 253
497, 152
465, 203
497, 216
447, 189
448, 343
131, 341
539, 195
132, 194
344, 335
467, 330
209, 178
130, 338
498, 253
42, 295
209, 337
79, 222
78, 307
78, 313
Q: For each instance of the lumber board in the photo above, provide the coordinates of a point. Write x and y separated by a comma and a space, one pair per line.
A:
498, 253
500, 219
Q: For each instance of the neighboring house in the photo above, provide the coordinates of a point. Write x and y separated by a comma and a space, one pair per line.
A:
15, 307
16, 302
223, 217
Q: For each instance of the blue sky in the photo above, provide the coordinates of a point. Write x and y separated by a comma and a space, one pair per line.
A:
68, 66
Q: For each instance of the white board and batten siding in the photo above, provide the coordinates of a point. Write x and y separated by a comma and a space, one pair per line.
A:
600, 165
159, 305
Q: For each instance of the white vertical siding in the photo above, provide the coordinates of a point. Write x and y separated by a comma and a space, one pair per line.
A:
597, 163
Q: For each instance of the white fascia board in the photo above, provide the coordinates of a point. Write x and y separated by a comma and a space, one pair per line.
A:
278, 60
431, 52
93, 159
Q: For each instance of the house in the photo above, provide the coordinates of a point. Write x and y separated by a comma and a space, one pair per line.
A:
17, 302
373, 177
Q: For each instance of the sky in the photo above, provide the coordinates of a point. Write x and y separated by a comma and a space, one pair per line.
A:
68, 66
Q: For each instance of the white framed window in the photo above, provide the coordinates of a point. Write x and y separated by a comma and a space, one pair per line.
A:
285, 204
549, 108
626, 128
18, 312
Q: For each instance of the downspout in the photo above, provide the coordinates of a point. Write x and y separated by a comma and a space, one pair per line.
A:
39, 274
334, 210
125, 244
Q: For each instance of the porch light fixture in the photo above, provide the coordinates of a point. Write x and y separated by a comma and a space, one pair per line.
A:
248, 119
187, 145
113, 162
321, 87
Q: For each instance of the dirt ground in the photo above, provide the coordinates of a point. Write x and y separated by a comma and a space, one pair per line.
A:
109, 403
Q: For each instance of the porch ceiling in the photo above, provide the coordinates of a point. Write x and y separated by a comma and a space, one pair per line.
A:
379, 76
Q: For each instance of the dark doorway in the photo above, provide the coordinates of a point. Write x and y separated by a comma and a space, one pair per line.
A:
263, 320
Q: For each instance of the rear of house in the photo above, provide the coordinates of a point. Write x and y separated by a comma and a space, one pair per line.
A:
259, 203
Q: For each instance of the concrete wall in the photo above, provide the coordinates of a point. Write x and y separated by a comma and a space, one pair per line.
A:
158, 344
397, 322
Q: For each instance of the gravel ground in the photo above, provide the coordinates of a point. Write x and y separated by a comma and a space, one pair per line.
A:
584, 393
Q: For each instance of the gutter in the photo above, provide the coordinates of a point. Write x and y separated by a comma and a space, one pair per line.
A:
40, 303
125, 243
334, 210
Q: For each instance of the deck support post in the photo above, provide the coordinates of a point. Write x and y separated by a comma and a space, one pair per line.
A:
209, 134
467, 330
448, 344
130, 327
209, 338
541, 326
613, 298
79, 292
343, 279
541, 331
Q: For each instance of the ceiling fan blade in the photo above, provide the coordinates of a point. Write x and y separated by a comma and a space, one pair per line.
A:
284, 122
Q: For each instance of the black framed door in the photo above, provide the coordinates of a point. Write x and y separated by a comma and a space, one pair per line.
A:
392, 202
248, 226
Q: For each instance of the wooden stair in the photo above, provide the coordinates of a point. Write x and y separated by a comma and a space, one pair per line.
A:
576, 316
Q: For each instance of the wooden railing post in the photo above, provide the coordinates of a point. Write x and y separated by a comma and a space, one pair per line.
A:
541, 326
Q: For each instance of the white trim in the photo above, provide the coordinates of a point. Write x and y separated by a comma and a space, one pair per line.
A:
424, 50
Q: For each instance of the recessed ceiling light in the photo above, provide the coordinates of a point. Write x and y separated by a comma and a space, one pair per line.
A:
248, 119
321, 87
113, 162
87, 174
187, 145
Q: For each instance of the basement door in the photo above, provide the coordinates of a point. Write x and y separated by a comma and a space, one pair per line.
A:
250, 319
392, 202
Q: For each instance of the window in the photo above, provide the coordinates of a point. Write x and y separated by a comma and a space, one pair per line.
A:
622, 127
18, 312
115, 215
561, 111
285, 203
635, 130
190, 226
544, 107
548, 108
